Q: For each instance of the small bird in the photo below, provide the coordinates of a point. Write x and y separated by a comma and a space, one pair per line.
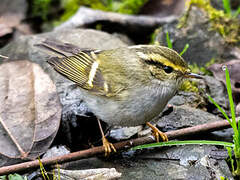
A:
126, 86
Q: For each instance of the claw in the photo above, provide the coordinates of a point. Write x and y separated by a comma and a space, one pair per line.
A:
108, 147
156, 133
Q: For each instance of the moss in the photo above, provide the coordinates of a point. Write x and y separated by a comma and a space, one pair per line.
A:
40, 8
131, 6
227, 25
119, 6
202, 69
192, 86
189, 86
70, 6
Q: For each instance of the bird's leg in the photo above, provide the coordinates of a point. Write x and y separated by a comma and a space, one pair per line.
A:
108, 147
157, 133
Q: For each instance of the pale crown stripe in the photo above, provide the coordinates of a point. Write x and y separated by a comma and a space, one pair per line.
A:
142, 55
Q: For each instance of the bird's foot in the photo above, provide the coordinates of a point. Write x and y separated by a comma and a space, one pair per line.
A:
157, 133
108, 147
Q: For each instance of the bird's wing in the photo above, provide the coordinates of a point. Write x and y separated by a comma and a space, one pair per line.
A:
90, 69
82, 68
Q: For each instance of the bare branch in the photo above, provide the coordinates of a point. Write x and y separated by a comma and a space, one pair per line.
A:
208, 127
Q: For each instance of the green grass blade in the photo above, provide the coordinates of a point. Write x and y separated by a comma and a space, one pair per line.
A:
169, 42
234, 123
43, 171
221, 110
237, 12
232, 108
227, 6
184, 49
175, 143
230, 157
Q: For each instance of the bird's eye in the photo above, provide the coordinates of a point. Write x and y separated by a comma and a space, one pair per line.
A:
168, 69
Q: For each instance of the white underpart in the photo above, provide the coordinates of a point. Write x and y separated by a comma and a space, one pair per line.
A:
139, 106
92, 73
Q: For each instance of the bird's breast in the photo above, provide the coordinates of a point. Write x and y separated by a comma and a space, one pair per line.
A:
138, 107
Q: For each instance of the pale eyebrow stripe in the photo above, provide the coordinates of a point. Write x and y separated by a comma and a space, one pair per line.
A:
160, 59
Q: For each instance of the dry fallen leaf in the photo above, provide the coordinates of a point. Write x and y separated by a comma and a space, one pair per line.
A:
30, 110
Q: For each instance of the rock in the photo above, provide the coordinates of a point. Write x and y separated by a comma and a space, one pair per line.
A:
217, 90
204, 44
206, 86
185, 116
56, 151
11, 15
234, 73
88, 174
233, 68
124, 133
182, 162
187, 162
192, 99
163, 8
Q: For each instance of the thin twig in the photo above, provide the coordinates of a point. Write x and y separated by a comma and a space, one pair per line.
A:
208, 127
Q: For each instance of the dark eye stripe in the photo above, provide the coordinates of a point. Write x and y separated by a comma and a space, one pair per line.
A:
167, 69
155, 63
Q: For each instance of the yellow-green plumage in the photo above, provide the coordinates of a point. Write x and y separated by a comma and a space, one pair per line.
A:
125, 86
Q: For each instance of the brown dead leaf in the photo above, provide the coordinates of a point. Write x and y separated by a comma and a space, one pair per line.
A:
30, 110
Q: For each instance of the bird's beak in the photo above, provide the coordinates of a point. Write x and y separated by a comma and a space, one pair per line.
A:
193, 75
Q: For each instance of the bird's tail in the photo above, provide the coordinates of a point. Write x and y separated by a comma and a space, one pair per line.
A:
59, 48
